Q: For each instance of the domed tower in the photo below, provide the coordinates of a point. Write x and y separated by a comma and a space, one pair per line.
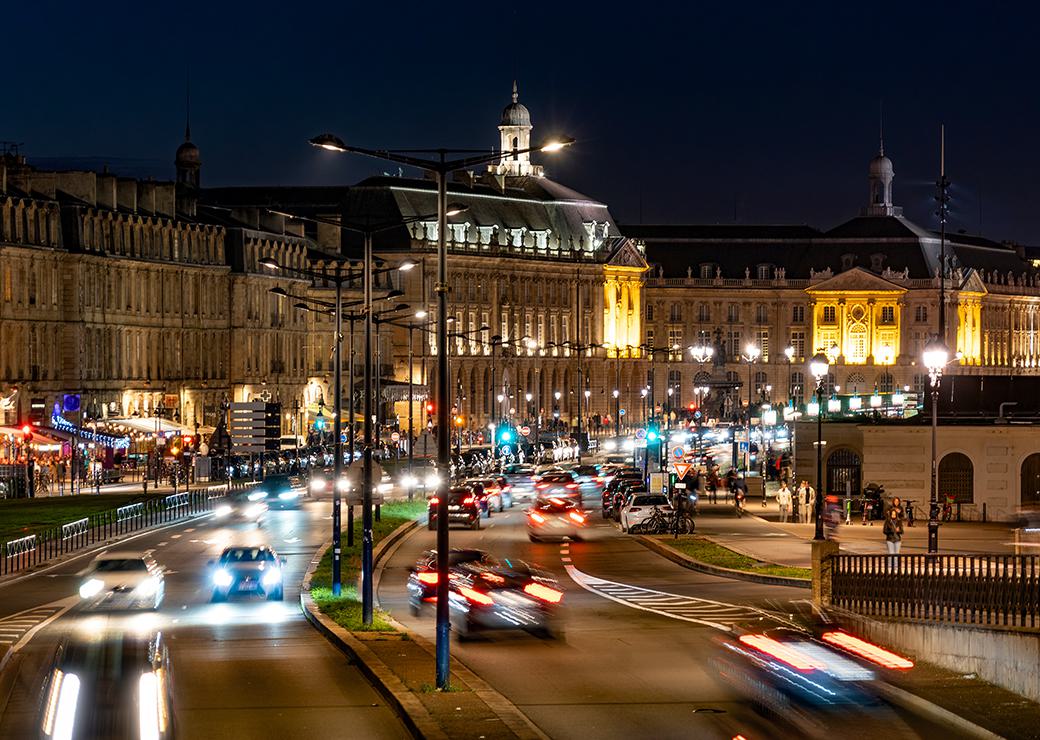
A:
188, 163
881, 174
515, 133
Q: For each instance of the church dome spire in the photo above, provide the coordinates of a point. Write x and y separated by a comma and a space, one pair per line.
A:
515, 136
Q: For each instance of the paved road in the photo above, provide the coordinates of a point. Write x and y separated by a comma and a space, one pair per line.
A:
245, 669
640, 638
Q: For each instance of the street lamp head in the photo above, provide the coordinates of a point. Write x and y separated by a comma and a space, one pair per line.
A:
454, 209
302, 306
557, 144
751, 352
394, 294
278, 292
936, 356
616, 393
420, 314
528, 396
789, 351
587, 393
484, 327
406, 265
269, 263
557, 395
329, 141
819, 365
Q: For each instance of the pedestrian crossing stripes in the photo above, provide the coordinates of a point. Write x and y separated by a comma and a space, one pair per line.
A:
17, 629
716, 614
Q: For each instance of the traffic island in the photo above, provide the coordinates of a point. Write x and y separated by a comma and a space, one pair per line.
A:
701, 554
399, 662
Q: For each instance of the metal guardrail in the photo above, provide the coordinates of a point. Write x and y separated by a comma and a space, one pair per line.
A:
987, 590
27, 552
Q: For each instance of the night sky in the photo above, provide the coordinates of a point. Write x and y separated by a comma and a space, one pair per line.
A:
685, 112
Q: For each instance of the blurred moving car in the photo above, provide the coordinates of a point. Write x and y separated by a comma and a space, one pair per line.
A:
281, 492
508, 594
423, 577
248, 570
554, 518
109, 685
640, 508
122, 579
813, 684
243, 506
558, 483
464, 507
492, 494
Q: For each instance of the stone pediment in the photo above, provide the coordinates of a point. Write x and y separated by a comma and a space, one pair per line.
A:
857, 279
626, 255
972, 283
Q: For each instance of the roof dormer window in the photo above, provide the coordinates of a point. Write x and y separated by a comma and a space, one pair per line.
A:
847, 261
764, 272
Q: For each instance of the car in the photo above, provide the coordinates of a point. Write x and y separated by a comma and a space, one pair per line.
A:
111, 684
558, 483
555, 518
248, 570
492, 493
464, 507
588, 475
122, 579
243, 506
520, 478
640, 507
504, 595
281, 492
423, 577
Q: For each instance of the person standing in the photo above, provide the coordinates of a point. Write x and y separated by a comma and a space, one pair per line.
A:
808, 501
783, 499
796, 506
893, 531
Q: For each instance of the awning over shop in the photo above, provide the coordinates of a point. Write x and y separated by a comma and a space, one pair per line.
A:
41, 441
152, 424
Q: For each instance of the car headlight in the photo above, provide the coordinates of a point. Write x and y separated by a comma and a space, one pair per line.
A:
91, 588
257, 495
254, 510
222, 578
432, 480
318, 485
272, 577
222, 511
148, 587
385, 487
287, 495
60, 716
409, 482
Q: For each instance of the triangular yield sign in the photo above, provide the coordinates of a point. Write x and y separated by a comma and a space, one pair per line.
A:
681, 469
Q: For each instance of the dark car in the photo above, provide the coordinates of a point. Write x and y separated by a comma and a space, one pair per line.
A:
281, 492
422, 579
464, 507
507, 595
248, 570
624, 492
610, 491
116, 684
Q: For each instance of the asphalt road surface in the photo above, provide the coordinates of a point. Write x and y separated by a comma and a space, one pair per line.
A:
244, 669
636, 660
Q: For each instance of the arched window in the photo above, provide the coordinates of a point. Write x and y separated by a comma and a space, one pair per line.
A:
956, 478
855, 383
702, 379
844, 470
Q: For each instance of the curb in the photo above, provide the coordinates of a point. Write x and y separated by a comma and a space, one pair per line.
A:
411, 710
687, 562
921, 705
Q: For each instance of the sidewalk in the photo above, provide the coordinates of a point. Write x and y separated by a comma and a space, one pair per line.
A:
759, 534
132, 487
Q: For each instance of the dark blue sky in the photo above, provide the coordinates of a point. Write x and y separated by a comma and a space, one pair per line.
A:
683, 111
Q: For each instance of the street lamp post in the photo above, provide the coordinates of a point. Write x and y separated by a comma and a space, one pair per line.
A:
818, 366
936, 357
751, 355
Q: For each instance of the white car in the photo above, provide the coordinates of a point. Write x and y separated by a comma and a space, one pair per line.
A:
123, 579
640, 508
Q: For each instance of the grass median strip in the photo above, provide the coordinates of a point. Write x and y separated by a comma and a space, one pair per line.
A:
21, 517
708, 552
345, 609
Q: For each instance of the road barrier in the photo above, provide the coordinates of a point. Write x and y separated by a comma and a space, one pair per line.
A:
27, 552
977, 589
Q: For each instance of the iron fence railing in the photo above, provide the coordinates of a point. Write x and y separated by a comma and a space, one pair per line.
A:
34, 549
968, 588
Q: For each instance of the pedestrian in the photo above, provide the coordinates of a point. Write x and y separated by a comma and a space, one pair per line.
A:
796, 506
808, 500
897, 506
893, 531
783, 499
713, 484
60, 474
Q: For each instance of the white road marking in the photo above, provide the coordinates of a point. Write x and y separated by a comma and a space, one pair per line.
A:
716, 614
32, 621
175, 536
566, 560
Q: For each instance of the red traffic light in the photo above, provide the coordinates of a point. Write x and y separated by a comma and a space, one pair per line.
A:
429, 408
27, 429
187, 439
693, 407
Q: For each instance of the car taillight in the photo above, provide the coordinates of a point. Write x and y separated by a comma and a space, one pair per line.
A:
538, 518
785, 653
575, 516
434, 501
492, 578
469, 499
571, 486
476, 597
542, 485
543, 592
870, 651
429, 577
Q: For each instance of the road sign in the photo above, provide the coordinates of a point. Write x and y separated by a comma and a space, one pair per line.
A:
678, 452
696, 414
395, 437
681, 469
640, 434
621, 412
525, 430
255, 426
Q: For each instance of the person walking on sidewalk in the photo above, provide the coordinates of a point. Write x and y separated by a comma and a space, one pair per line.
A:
783, 498
893, 531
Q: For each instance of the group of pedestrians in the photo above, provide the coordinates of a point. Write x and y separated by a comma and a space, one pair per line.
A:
796, 505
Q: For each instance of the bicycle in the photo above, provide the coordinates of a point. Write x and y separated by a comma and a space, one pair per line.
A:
656, 523
682, 523
947, 510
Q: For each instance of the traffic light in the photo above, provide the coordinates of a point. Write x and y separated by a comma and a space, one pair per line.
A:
505, 435
319, 423
187, 440
27, 432
653, 435
692, 406
429, 408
